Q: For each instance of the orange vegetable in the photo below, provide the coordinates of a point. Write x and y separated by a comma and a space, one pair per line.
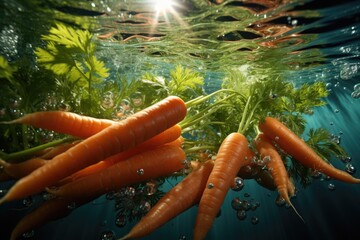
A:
297, 148
116, 138
230, 157
19, 170
276, 168
157, 162
169, 135
184, 195
64, 122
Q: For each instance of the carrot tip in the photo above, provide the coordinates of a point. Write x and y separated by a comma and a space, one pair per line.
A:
8, 122
3, 163
3, 199
297, 213
124, 237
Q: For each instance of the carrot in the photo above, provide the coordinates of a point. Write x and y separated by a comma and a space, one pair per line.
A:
158, 162
230, 157
64, 122
169, 135
114, 139
276, 167
291, 187
50, 210
19, 170
184, 195
298, 149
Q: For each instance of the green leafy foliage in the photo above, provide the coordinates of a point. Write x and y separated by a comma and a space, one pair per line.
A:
325, 144
6, 70
183, 82
70, 53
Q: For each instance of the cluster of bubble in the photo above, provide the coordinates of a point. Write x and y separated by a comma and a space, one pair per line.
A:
125, 107
132, 200
242, 206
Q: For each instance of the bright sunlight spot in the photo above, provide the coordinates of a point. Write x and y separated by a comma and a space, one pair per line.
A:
166, 11
162, 6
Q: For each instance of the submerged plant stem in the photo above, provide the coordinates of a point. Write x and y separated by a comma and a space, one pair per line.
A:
19, 156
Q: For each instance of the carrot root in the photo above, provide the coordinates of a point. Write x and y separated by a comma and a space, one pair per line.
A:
300, 151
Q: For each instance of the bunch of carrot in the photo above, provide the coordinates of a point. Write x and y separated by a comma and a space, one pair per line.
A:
112, 154
147, 145
208, 185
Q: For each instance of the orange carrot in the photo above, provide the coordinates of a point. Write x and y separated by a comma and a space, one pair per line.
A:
19, 170
64, 122
298, 149
50, 210
291, 187
169, 135
230, 157
276, 167
157, 162
114, 139
54, 151
184, 195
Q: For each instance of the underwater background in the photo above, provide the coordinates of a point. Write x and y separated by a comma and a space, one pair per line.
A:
303, 41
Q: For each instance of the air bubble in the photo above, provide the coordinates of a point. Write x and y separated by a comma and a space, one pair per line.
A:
254, 220
72, 206
130, 192
137, 99
348, 71
346, 159
108, 100
140, 171
331, 186
151, 188
3, 192
355, 94
28, 234
120, 220
350, 168
237, 184
28, 202
357, 87
241, 215
236, 203
280, 201
145, 206
108, 235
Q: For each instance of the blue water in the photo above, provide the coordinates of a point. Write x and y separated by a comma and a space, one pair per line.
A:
333, 30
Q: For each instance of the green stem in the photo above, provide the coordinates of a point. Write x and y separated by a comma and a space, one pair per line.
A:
202, 98
243, 117
24, 133
204, 113
199, 148
20, 155
249, 118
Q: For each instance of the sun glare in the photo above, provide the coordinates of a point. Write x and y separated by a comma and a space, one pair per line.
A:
163, 6
166, 11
